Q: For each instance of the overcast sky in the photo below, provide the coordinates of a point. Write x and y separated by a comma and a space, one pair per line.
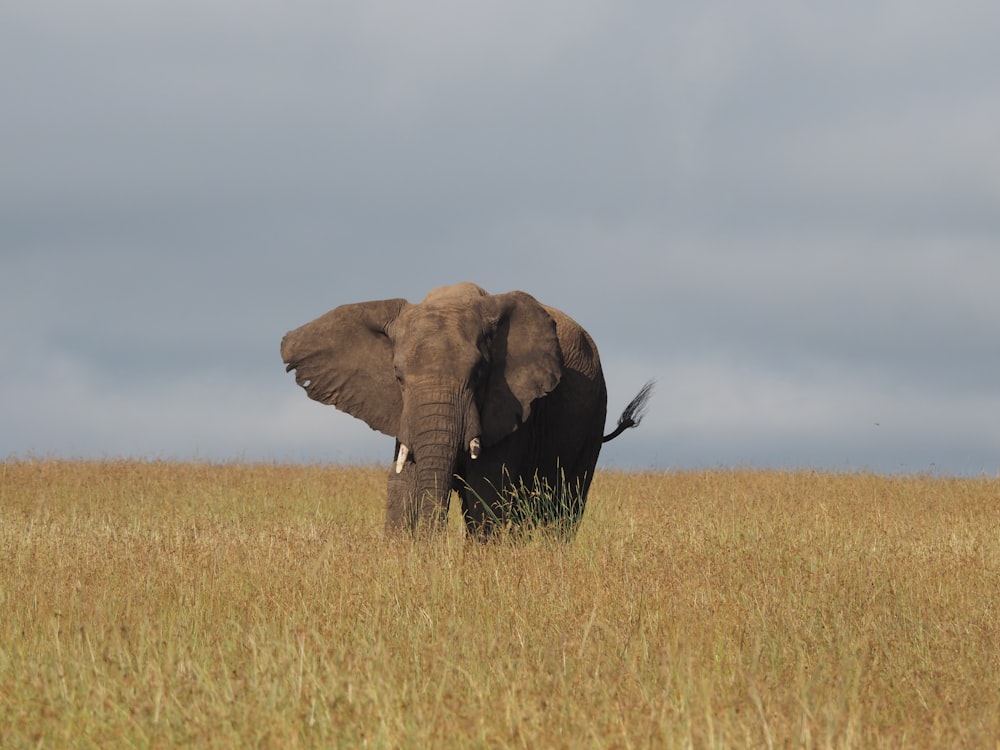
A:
789, 215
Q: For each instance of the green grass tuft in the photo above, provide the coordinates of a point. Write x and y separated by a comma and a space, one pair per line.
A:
535, 509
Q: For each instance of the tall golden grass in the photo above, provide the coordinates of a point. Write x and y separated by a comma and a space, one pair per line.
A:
147, 604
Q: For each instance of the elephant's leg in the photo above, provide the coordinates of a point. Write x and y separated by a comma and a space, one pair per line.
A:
489, 488
568, 451
482, 491
570, 497
479, 513
400, 505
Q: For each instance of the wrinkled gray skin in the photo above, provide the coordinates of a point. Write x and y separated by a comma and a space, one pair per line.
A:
459, 374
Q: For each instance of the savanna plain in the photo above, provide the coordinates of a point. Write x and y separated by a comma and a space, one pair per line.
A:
159, 604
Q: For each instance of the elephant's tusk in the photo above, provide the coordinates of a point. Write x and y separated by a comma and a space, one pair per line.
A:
474, 447
401, 458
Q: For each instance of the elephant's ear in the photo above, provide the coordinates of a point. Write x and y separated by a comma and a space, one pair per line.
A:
344, 358
527, 363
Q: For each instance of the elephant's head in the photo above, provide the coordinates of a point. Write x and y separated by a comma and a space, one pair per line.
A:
449, 376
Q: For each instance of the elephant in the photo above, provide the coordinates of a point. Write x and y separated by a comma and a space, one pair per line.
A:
495, 396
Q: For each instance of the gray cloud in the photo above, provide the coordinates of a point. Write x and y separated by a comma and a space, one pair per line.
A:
786, 214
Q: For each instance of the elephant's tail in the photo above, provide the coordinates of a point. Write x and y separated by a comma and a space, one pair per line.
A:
634, 412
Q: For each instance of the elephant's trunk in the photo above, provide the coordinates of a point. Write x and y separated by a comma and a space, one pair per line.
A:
440, 426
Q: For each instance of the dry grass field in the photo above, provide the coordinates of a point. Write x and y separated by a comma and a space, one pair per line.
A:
148, 604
